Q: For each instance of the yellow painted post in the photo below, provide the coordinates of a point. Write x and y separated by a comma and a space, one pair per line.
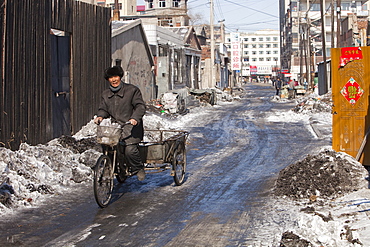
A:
350, 90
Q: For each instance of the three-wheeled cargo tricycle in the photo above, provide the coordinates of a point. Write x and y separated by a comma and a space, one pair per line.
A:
161, 150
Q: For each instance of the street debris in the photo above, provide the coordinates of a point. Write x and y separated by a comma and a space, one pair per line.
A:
314, 104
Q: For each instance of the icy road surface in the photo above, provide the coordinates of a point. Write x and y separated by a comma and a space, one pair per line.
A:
235, 152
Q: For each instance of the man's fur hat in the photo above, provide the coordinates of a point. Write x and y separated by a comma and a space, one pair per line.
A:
113, 71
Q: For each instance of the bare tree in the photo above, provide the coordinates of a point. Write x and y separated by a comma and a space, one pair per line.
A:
196, 18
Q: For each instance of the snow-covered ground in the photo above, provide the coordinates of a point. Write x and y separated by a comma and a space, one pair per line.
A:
33, 174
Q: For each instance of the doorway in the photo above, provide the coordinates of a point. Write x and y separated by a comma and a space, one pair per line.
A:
60, 77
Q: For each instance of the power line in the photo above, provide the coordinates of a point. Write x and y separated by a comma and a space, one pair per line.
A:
220, 10
198, 6
253, 23
251, 8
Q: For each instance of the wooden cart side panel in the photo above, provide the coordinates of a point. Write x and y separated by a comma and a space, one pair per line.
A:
350, 121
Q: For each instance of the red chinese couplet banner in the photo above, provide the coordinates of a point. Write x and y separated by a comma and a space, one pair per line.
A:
349, 54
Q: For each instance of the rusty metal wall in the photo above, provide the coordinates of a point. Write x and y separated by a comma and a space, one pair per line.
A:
25, 86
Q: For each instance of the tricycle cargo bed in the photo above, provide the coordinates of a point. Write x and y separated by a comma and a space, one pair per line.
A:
159, 145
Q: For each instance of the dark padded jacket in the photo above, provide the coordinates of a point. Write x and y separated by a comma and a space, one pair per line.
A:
123, 105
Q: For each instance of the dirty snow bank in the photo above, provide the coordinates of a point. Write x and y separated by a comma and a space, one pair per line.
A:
327, 195
327, 174
32, 173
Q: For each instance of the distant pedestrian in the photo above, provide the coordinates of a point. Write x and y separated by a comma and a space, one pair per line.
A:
278, 86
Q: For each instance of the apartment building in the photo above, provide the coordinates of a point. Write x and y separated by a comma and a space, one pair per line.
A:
302, 27
259, 53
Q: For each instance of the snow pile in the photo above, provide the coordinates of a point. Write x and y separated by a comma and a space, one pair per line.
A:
314, 104
33, 172
328, 174
328, 191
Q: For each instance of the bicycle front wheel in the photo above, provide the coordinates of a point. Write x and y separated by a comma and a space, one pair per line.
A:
103, 181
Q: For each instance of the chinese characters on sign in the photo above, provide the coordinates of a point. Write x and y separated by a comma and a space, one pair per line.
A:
235, 51
352, 91
349, 54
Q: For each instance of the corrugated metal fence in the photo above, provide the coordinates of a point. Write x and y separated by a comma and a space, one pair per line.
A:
26, 95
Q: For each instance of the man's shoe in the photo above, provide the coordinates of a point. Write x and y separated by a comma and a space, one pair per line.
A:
141, 175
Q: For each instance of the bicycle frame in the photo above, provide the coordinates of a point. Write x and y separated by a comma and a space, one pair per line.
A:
108, 151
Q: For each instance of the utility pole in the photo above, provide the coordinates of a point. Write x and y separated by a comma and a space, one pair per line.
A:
322, 9
338, 22
332, 24
212, 46
116, 11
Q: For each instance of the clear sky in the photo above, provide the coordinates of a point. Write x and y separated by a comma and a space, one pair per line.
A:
239, 15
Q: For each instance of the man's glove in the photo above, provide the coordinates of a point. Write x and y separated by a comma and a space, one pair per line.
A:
126, 131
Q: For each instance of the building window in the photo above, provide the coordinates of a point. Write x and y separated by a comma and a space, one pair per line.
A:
246, 53
254, 59
302, 7
268, 59
276, 59
293, 6
315, 7
254, 46
260, 52
268, 45
268, 52
268, 39
150, 4
275, 38
162, 51
119, 5
345, 6
254, 52
176, 3
253, 39
163, 22
260, 45
275, 52
176, 66
162, 3
260, 39
261, 59
246, 46
245, 39
228, 40
246, 59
